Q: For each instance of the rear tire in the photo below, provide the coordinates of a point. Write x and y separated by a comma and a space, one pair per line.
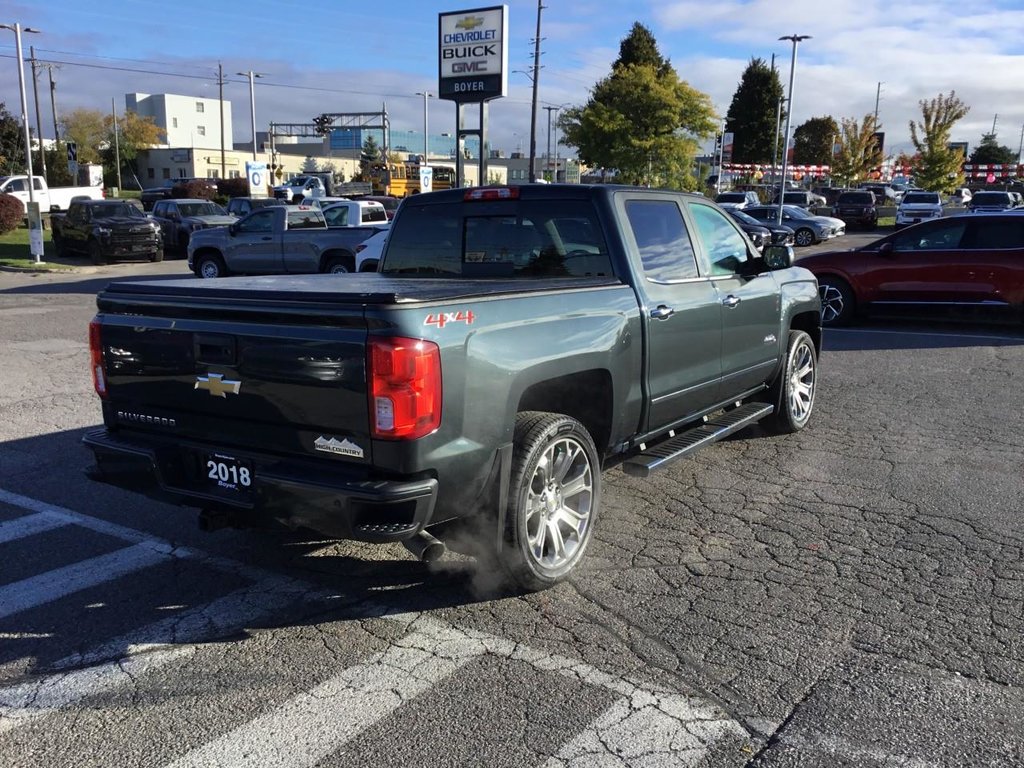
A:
339, 265
792, 392
554, 498
58, 247
209, 266
157, 255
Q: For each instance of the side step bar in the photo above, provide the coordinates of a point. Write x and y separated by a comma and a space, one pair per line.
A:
691, 441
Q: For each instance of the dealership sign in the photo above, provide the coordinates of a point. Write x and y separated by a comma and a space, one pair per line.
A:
472, 55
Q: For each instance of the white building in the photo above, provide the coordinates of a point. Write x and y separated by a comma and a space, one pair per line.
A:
188, 121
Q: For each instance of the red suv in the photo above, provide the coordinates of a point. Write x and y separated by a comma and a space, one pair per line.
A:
975, 259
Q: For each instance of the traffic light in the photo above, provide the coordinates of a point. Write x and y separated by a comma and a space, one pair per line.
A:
322, 124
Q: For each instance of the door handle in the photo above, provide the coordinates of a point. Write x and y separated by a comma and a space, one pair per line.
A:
731, 301
662, 312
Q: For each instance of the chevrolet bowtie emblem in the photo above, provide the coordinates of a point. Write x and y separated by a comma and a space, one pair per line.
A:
217, 385
470, 22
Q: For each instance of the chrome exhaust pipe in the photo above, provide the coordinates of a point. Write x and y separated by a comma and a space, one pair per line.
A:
425, 547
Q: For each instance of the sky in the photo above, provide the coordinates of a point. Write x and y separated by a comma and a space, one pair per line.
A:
342, 56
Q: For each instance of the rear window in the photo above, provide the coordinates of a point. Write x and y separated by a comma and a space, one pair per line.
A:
532, 238
731, 197
991, 198
373, 213
857, 198
306, 218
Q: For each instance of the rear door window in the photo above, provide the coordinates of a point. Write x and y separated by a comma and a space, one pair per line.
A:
939, 236
996, 234
666, 251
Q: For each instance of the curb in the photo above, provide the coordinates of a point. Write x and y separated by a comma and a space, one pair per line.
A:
37, 271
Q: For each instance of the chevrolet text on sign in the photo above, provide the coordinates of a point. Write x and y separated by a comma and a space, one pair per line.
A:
472, 55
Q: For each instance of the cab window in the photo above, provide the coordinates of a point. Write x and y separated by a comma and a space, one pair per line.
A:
726, 248
258, 222
666, 251
939, 236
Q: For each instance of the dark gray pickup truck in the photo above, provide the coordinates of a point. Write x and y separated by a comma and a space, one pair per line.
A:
516, 342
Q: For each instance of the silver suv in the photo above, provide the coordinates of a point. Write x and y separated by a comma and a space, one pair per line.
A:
918, 206
738, 200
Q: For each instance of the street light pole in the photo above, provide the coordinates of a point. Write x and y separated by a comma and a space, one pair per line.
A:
778, 127
426, 95
252, 105
17, 29
795, 39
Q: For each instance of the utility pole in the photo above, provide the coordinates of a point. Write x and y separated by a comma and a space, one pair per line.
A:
220, 89
533, 109
53, 104
117, 146
1020, 149
39, 123
878, 95
994, 119
548, 156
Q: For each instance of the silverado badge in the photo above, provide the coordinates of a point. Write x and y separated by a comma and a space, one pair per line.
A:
217, 385
333, 445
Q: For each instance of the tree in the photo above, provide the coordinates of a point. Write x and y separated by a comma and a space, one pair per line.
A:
814, 140
309, 165
12, 143
87, 128
751, 116
859, 153
134, 132
641, 120
989, 152
371, 152
940, 168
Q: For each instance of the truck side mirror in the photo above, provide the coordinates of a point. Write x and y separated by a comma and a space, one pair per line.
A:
887, 249
778, 256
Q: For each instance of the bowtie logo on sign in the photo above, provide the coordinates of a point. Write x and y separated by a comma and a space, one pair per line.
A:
472, 55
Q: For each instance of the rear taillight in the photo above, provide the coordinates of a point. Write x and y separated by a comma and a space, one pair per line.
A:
405, 388
99, 379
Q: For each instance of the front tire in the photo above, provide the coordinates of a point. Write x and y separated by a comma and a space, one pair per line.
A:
554, 497
96, 253
209, 266
805, 237
838, 304
157, 255
792, 392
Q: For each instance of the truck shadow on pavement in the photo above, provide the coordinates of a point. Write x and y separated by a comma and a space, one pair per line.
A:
302, 577
92, 284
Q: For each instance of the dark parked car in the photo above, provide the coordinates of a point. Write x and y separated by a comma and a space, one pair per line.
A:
989, 201
390, 203
777, 234
884, 194
808, 229
857, 207
178, 219
956, 260
106, 230
802, 198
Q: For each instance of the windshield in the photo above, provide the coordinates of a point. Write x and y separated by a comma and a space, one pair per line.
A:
731, 197
796, 213
863, 198
990, 198
931, 198
117, 209
201, 209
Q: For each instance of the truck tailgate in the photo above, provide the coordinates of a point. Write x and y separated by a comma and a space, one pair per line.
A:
236, 370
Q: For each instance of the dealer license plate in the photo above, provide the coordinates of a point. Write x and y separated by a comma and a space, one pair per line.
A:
227, 473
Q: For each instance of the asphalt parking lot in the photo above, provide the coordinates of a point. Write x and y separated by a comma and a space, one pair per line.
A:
852, 595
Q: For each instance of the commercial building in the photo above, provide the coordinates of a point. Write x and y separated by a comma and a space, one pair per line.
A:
186, 121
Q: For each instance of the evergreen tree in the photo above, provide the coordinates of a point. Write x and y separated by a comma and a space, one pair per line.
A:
371, 151
814, 140
751, 116
641, 120
990, 152
940, 168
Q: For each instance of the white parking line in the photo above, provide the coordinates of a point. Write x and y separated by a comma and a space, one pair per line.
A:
309, 727
28, 525
58, 583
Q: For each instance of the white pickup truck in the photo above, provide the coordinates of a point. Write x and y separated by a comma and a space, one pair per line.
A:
49, 199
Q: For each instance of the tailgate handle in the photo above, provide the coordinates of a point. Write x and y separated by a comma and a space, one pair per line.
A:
217, 348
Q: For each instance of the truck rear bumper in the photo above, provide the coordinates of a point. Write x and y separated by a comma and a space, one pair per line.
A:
334, 501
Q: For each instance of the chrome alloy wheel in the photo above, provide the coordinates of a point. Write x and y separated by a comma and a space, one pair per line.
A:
801, 383
559, 503
833, 303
